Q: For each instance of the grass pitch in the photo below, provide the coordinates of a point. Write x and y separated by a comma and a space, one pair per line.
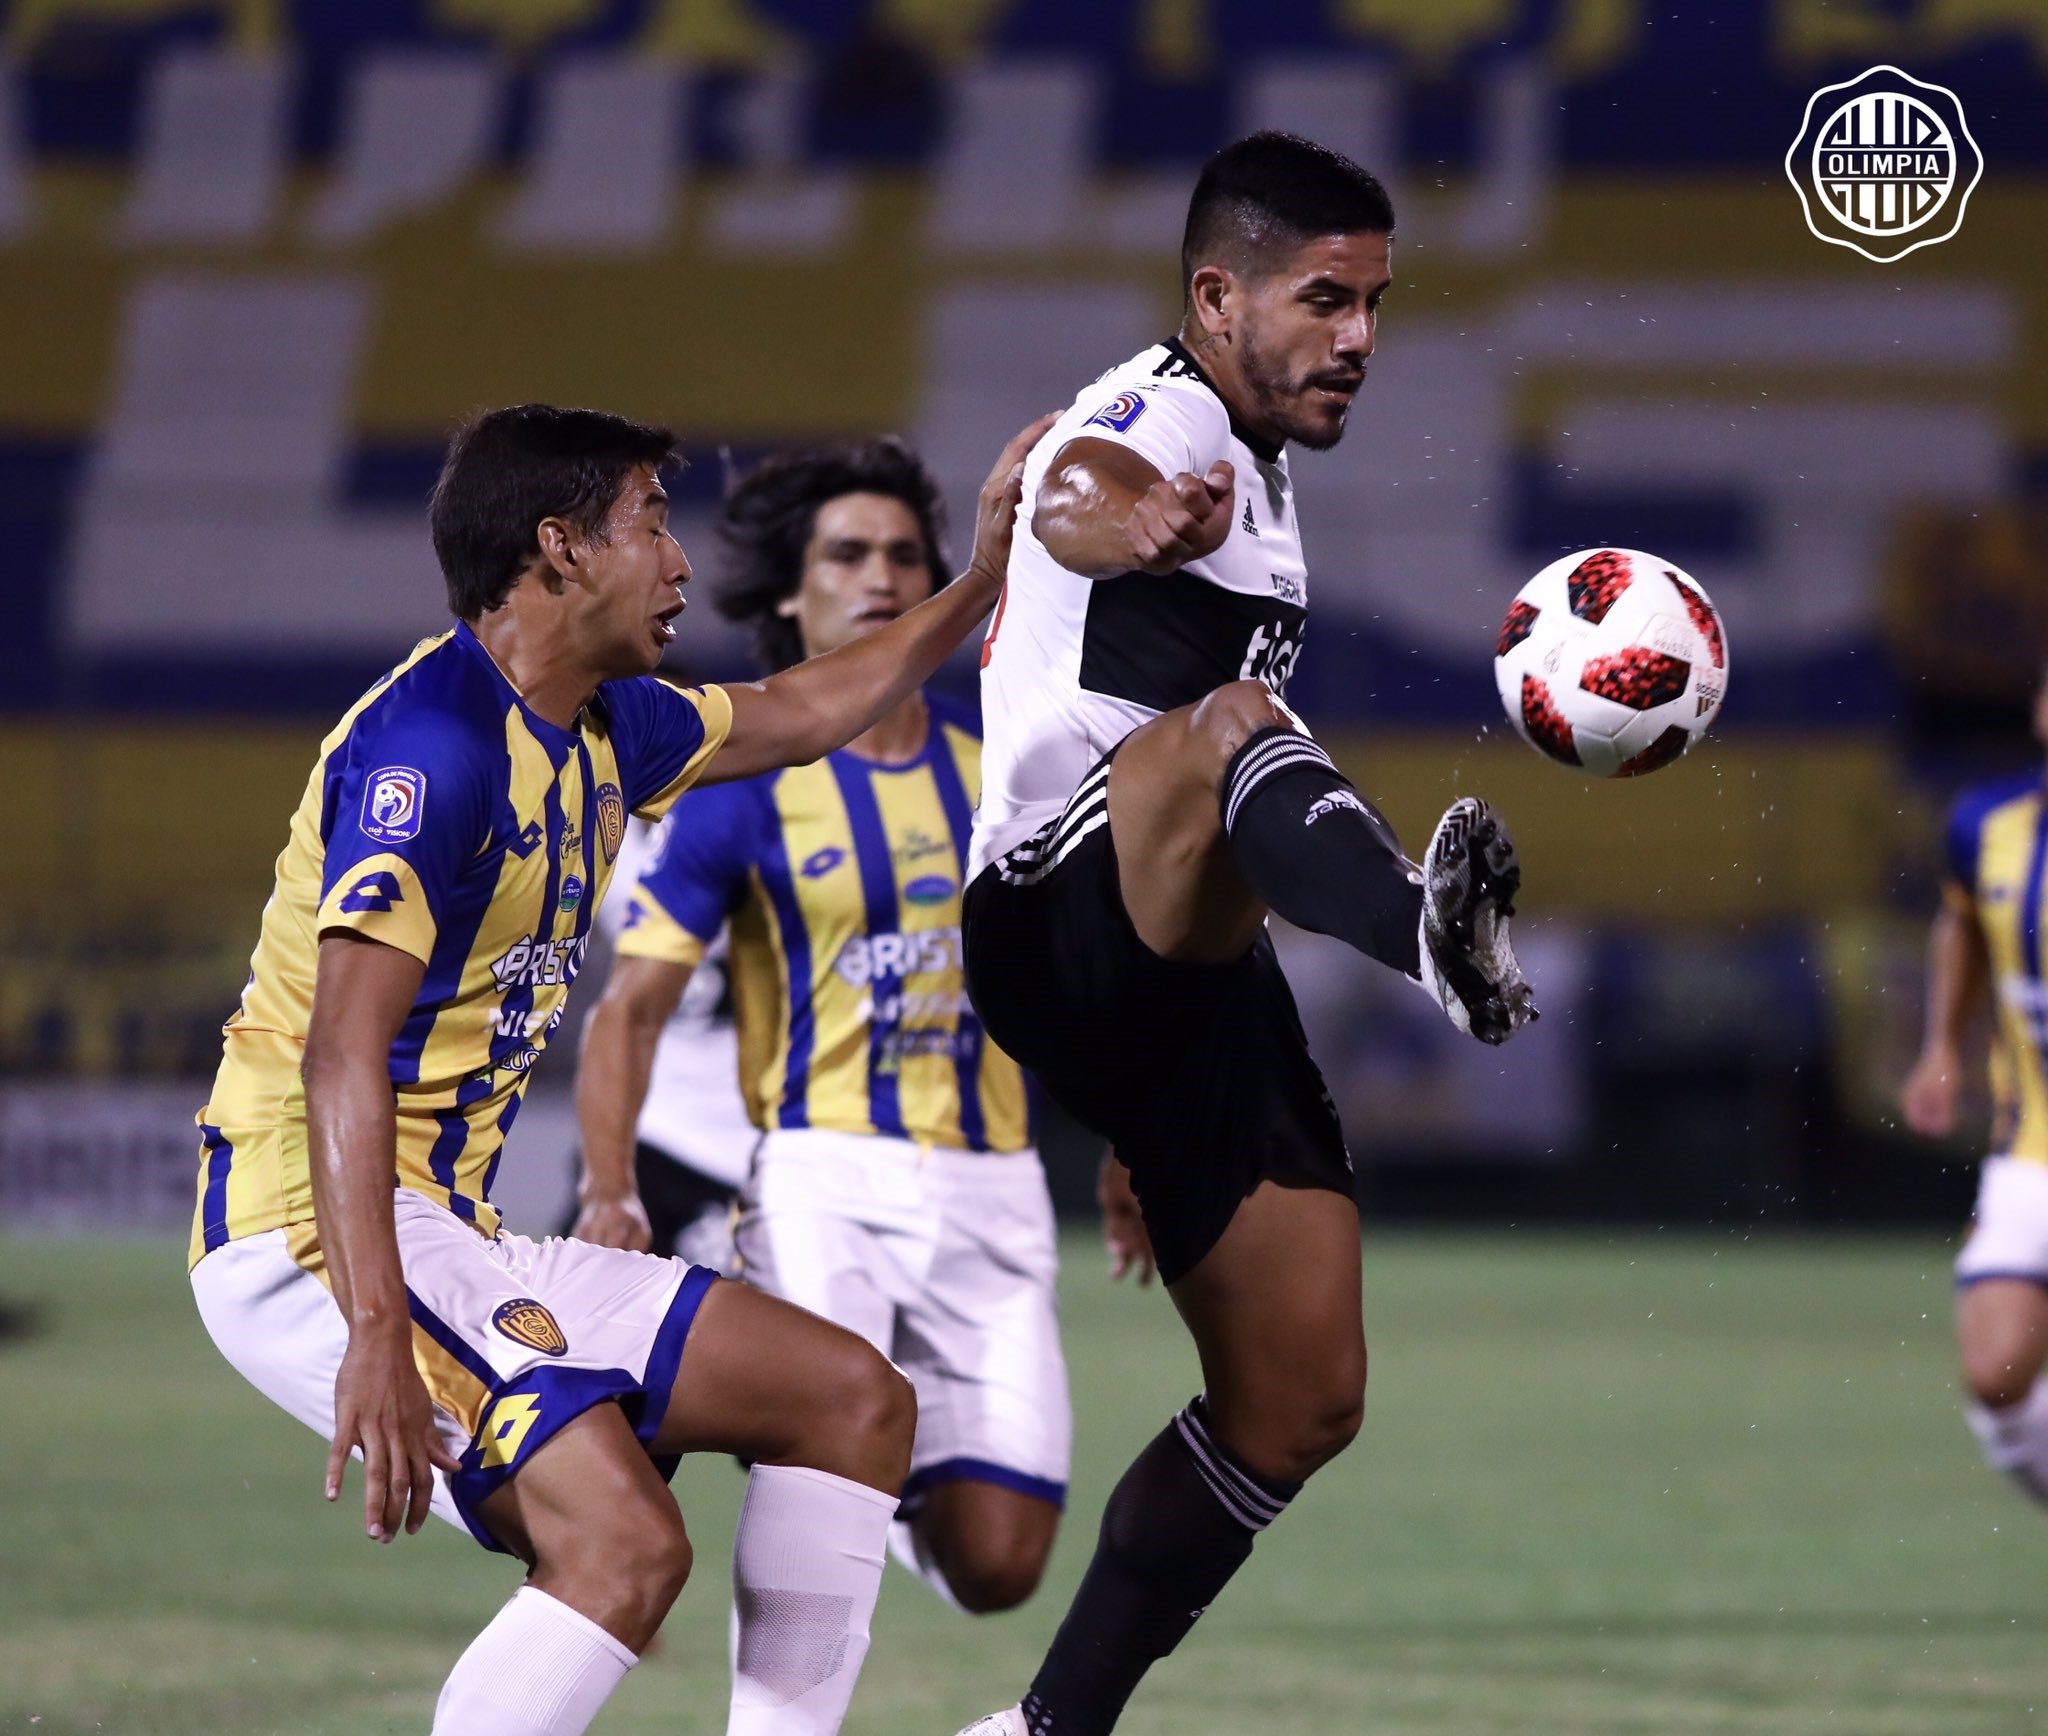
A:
1670, 1484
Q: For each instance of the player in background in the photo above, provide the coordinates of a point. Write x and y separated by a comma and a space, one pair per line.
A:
895, 1191
693, 1142
1986, 950
432, 906
1148, 799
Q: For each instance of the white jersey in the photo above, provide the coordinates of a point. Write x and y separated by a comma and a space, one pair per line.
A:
693, 1112
1071, 665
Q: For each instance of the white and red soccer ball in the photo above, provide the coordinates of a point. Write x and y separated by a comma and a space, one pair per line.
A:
1611, 661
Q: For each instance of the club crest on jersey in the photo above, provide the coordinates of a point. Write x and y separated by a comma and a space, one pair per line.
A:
611, 820
1119, 413
527, 1322
392, 803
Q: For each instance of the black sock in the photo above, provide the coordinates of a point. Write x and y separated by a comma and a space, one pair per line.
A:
1317, 852
1177, 1526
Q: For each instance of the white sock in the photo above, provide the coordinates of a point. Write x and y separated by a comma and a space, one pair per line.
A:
907, 1544
806, 1565
538, 1669
2015, 1438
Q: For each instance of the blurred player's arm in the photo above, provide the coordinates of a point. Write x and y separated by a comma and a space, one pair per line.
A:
612, 1070
1123, 1223
1958, 983
362, 992
807, 711
1104, 510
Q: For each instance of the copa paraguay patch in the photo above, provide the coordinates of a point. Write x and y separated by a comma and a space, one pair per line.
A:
611, 820
1119, 413
527, 1322
393, 801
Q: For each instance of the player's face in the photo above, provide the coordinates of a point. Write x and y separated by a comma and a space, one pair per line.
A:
864, 565
638, 572
1304, 334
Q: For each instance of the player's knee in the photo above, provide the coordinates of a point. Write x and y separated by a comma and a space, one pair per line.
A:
1999, 1375
872, 1412
987, 1582
1232, 715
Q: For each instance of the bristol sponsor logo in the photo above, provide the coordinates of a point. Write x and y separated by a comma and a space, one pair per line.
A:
531, 962
867, 958
393, 801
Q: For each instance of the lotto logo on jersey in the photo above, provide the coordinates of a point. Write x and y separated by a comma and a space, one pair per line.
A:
1119, 413
393, 801
374, 893
869, 956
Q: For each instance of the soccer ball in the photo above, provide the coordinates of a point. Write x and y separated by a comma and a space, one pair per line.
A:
1611, 661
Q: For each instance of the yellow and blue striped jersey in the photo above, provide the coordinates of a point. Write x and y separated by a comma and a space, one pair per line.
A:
1998, 857
842, 882
447, 819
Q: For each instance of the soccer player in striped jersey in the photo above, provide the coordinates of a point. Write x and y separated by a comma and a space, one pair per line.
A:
432, 906
895, 1190
1990, 946
1149, 800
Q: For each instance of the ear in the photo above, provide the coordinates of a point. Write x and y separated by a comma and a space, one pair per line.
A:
560, 554
1212, 293
790, 607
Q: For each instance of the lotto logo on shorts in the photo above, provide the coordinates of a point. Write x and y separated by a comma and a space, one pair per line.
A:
528, 1322
392, 803
1119, 413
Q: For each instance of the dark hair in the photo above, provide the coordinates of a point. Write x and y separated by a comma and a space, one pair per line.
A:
769, 515
1271, 192
507, 470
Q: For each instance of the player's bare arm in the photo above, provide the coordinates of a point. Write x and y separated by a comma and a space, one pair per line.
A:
612, 1070
807, 711
362, 992
1103, 510
1958, 985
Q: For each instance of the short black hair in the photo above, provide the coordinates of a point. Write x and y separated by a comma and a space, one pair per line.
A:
506, 470
1269, 193
771, 511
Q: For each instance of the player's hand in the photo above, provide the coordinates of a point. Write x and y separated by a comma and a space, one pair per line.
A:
381, 1406
1182, 518
614, 1221
1927, 1100
995, 513
1123, 1224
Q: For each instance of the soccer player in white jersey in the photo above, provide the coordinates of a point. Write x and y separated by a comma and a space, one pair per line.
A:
1989, 946
689, 1148
896, 1191
1148, 798
433, 904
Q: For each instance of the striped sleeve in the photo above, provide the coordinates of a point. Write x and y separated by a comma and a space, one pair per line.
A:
698, 875
665, 736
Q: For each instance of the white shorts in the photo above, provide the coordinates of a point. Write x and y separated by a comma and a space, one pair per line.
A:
945, 1261
514, 1337
2009, 1231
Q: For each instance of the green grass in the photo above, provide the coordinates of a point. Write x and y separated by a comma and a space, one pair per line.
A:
1608, 1485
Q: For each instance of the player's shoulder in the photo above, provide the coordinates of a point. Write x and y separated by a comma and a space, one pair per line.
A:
631, 703
734, 812
1162, 378
441, 703
1977, 802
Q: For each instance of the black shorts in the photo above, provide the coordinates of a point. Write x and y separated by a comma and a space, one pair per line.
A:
1199, 1075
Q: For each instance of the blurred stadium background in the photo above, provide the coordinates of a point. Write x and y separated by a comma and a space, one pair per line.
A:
256, 256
